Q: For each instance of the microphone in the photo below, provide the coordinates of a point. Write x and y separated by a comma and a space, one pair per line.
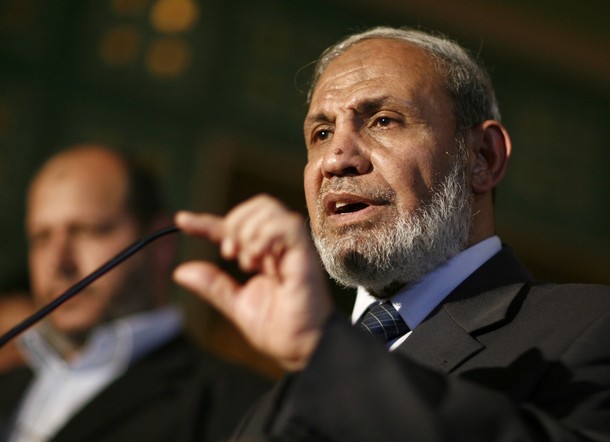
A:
80, 285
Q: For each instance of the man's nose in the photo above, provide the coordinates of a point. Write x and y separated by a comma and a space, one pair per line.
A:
347, 155
64, 256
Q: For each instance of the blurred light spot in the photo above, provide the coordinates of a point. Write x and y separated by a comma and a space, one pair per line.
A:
129, 7
169, 16
120, 45
168, 57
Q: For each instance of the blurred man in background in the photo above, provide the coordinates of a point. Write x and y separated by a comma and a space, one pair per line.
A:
112, 363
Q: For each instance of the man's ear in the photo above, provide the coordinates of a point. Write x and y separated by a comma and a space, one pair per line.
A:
491, 148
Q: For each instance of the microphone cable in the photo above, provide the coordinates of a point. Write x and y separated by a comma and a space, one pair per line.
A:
76, 288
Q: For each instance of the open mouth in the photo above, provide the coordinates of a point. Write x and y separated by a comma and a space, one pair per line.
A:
343, 204
343, 207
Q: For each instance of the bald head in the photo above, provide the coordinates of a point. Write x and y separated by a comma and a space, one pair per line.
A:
87, 160
87, 175
119, 174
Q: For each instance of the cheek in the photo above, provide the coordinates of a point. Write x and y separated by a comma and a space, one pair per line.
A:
132, 278
107, 286
94, 252
93, 255
116, 282
312, 180
408, 179
40, 274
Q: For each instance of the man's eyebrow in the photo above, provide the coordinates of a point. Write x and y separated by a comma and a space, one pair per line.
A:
371, 105
319, 117
365, 107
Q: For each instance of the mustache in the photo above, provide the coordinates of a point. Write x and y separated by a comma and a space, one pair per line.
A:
356, 187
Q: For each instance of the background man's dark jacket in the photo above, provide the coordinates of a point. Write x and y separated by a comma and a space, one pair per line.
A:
174, 394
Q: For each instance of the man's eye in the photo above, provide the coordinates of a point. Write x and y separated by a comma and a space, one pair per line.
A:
94, 230
383, 121
38, 240
322, 135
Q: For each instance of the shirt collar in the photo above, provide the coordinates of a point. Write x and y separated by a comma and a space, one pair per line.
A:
415, 302
118, 343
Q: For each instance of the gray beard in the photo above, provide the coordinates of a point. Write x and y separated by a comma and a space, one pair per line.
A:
388, 255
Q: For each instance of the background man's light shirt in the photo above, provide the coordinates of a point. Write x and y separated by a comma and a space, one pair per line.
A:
60, 388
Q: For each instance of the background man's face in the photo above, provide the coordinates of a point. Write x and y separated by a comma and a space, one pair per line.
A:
76, 221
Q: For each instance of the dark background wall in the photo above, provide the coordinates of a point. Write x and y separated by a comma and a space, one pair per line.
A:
211, 93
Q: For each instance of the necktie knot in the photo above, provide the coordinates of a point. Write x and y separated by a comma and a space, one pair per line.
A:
384, 322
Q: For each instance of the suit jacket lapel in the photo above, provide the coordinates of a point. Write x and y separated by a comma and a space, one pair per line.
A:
451, 346
483, 301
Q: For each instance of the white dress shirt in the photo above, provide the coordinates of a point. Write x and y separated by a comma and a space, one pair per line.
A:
415, 302
61, 388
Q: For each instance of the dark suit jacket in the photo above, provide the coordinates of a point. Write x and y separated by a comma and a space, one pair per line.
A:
502, 359
174, 394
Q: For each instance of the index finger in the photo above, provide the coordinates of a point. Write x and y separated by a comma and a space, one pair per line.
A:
201, 224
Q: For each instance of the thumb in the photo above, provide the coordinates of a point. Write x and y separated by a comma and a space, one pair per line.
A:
209, 283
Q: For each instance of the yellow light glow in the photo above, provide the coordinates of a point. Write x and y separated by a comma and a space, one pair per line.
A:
168, 57
171, 16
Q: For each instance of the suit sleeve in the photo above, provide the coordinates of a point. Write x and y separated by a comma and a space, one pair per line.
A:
353, 390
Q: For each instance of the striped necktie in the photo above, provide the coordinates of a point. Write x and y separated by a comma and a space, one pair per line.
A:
384, 322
